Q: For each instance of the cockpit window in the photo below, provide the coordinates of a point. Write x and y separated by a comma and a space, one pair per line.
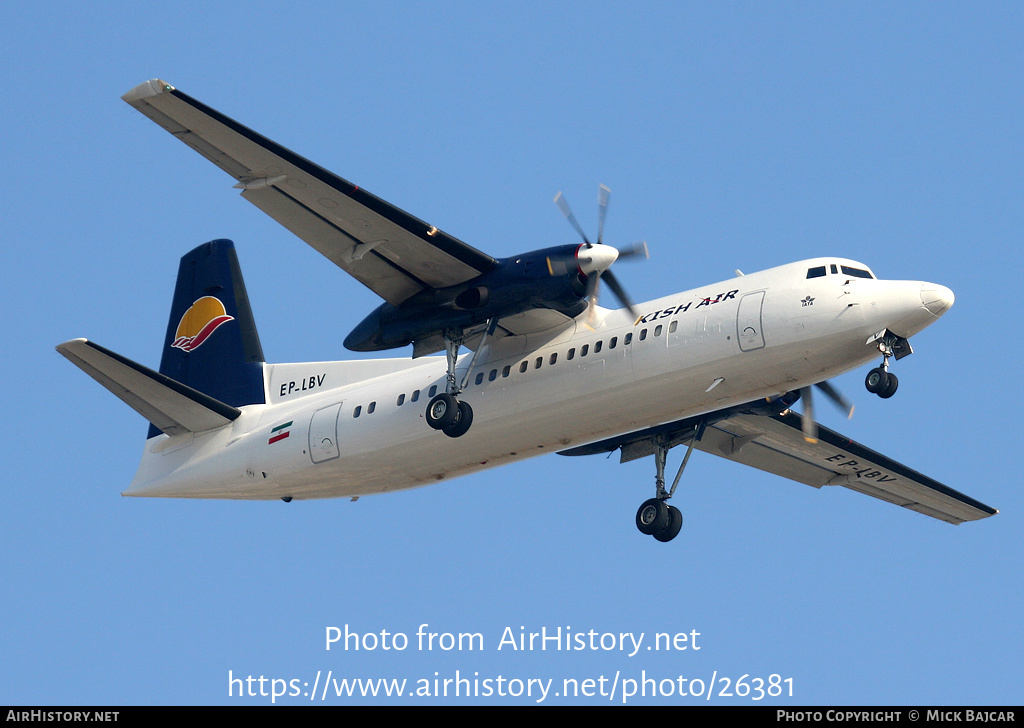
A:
816, 272
856, 272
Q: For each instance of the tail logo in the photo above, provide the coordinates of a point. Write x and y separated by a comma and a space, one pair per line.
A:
201, 319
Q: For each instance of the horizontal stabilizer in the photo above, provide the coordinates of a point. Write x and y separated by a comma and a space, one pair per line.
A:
167, 404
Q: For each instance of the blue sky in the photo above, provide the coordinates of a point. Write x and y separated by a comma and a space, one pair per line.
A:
732, 135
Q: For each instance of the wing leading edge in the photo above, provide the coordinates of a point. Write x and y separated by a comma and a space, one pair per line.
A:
775, 444
389, 251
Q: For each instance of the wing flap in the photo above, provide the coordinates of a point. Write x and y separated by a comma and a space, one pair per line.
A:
171, 406
391, 252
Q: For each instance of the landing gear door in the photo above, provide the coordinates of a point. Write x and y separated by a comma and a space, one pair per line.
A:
323, 434
749, 331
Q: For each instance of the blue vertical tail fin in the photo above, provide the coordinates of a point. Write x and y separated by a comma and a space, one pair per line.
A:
211, 343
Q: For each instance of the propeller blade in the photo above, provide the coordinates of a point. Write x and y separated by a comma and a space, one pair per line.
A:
603, 193
592, 285
634, 250
832, 393
567, 211
808, 425
620, 292
590, 289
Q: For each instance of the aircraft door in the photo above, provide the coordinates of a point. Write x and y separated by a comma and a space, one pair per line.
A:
323, 434
749, 330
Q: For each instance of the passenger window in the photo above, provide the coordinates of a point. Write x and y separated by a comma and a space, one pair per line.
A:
401, 399
554, 358
584, 350
524, 366
613, 342
597, 346
415, 396
479, 378
371, 407
505, 372
433, 391
673, 326
643, 334
628, 340
572, 354
657, 330
540, 360
357, 411
493, 375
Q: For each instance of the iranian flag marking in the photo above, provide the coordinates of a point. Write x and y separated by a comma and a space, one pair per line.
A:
280, 432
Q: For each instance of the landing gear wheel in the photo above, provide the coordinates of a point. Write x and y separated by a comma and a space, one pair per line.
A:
443, 411
653, 516
675, 522
462, 423
877, 380
890, 387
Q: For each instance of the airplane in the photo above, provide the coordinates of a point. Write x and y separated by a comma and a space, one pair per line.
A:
546, 369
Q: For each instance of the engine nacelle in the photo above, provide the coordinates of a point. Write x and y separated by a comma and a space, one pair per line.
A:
514, 285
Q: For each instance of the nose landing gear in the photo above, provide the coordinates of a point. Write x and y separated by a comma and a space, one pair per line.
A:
880, 380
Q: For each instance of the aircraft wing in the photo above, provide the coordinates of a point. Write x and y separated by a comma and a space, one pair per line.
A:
775, 443
389, 251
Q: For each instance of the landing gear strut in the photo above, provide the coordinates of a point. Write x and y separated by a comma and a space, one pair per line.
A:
655, 516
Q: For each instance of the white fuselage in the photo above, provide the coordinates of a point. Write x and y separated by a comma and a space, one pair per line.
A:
333, 429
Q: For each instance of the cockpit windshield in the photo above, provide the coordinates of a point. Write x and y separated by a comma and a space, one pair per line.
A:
820, 271
856, 272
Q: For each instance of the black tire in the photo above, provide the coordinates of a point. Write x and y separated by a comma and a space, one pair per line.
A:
675, 522
461, 426
877, 380
652, 516
890, 387
442, 411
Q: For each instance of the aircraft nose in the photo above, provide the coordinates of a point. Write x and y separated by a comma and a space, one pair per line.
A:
937, 299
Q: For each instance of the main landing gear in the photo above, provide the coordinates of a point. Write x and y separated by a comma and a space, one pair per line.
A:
655, 516
446, 412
